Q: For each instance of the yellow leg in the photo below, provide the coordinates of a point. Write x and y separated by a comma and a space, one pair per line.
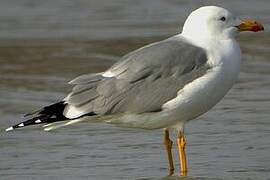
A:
168, 145
181, 142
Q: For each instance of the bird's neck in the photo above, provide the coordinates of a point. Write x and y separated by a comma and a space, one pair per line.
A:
219, 50
206, 42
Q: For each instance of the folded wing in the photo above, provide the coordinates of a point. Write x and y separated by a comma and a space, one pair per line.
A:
142, 81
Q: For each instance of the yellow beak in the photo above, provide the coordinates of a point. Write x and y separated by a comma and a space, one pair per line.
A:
249, 25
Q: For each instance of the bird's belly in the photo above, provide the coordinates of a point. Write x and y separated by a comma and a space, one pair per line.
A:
200, 95
193, 100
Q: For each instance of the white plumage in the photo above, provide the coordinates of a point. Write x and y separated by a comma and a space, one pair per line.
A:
202, 29
161, 85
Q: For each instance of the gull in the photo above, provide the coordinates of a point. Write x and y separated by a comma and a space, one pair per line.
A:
159, 86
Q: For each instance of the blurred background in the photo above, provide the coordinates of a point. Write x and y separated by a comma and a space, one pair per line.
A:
44, 44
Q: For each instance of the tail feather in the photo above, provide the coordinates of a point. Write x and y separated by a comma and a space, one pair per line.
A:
56, 125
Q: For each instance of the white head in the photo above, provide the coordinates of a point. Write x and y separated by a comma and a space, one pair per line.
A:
212, 22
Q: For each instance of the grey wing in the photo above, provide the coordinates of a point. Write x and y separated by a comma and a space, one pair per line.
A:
142, 80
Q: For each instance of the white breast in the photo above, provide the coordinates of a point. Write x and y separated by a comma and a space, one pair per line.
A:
203, 93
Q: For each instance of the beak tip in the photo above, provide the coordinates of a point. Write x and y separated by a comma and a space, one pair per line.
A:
260, 26
250, 25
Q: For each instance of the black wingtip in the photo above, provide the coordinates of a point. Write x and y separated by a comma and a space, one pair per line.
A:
33, 121
11, 128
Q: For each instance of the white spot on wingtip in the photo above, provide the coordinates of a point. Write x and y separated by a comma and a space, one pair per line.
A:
38, 121
21, 125
9, 129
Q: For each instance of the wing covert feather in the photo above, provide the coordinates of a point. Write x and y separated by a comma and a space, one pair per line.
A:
143, 80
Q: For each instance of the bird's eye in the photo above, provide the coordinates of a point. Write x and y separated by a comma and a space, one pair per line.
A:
222, 18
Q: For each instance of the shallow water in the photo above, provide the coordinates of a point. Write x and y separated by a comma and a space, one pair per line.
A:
44, 44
